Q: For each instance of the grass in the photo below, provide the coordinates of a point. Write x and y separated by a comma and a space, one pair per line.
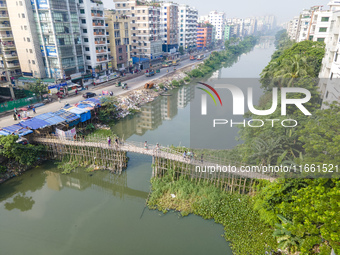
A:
242, 225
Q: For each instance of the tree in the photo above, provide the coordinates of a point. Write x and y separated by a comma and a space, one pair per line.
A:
181, 50
39, 88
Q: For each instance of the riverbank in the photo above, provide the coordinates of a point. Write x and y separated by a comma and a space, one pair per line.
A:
245, 231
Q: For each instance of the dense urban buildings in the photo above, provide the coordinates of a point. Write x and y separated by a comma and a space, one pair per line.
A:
204, 35
169, 27
320, 25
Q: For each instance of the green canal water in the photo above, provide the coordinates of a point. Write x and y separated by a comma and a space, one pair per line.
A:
45, 212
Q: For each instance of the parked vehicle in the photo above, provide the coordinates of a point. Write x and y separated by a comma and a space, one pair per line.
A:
200, 57
192, 58
149, 73
176, 62
89, 94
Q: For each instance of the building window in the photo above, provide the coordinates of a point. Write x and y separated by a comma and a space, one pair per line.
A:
323, 29
324, 19
28, 39
83, 21
120, 50
88, 57
22, 15
31, 51
33, 62
80, 1
82, 11
87, 49
321, 39
86, 39
84, 31
20, 3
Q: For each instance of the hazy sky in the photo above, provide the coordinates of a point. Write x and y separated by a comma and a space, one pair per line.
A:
283, 10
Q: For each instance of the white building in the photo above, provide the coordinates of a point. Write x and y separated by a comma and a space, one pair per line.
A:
293, 28
330, 71
94, 36
187, 25
203, 19
169, 26
218, 20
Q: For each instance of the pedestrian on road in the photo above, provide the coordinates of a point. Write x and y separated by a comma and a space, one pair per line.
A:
14, 116
59, 99
33, 109
15, 110
19, 116
109, 141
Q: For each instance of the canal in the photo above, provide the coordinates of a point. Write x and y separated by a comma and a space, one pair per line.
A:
45, 212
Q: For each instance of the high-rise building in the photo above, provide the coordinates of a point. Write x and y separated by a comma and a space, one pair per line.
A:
293, 28
187, 25
169, 26
145, 26
119, 28
47, 36
204, 35
217, 19
9, 63
94, 36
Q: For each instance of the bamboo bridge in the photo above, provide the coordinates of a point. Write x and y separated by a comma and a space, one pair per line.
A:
97, 152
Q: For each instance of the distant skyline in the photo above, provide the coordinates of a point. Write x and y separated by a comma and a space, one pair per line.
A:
283, 10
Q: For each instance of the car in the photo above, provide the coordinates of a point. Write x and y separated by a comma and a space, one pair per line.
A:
89, 94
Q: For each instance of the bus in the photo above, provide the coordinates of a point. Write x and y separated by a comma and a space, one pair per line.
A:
200, 57
176, 62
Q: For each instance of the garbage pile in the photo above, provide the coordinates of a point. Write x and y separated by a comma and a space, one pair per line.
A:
132, 102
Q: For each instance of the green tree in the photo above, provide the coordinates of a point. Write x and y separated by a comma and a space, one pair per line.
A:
181, 50
39, 88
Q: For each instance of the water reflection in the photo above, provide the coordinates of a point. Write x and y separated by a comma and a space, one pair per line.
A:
20, 202
152, 115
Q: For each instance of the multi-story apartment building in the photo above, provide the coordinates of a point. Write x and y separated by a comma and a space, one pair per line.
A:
119, 28
145, 27
169, 26
47, 36
217, 19
319, 28
293, 28
329, 83
9, 63
227, 31
187, 25
204, 35
94, 36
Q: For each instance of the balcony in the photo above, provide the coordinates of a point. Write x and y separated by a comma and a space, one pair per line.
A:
98, 24
13, 65
8, 45
4, 17
101, 51
5, 37
101, 59
10, 56
99, 42
5, 27
3, 6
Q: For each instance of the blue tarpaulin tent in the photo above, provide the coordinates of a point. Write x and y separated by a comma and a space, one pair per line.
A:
51, 118
16, 130
72, 119
84, 114
34, 123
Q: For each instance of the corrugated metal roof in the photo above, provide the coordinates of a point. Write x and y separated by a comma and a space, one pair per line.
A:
15, 129
69, 116
34, 123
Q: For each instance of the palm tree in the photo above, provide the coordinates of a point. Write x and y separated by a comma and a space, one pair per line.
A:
291, 69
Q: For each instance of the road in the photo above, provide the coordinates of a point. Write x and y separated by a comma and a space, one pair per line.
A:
134, 83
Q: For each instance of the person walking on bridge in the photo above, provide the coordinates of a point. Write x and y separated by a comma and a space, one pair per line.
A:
109, 141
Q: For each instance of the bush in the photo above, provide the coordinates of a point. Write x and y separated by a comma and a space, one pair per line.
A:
187, 79
181, 82
161, 86
175, 83
196, 73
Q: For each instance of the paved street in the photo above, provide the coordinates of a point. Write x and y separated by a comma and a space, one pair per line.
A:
134, 83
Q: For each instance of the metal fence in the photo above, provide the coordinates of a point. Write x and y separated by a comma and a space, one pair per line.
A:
10, 105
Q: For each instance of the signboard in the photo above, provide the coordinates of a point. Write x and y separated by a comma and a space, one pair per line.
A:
42, 4
103, 66
57, 86
93, 72
109, 65
51, 51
